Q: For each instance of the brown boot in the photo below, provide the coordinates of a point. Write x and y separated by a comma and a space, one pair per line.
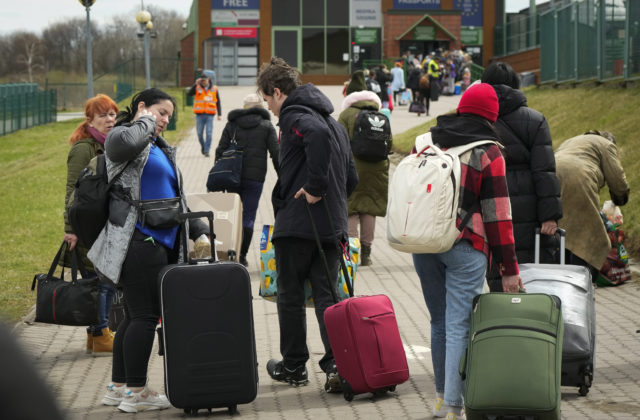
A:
103, 342
89, 348
365, 255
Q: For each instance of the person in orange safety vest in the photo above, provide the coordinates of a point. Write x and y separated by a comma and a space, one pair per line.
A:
206, 104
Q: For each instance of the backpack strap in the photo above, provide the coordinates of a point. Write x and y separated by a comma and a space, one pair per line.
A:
459, 150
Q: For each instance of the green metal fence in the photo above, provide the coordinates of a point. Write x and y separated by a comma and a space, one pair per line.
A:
520, 33
126, 78
22, 105
590, 40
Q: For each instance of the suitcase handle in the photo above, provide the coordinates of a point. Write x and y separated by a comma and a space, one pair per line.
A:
316, 235
212, 237
559, 231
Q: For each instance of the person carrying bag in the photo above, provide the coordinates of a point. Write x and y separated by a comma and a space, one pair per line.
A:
67, 303
226, 174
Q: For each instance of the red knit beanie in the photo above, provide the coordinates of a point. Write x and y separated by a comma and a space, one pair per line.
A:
480, 99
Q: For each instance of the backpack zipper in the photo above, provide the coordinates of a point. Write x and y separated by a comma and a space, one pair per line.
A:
512, 327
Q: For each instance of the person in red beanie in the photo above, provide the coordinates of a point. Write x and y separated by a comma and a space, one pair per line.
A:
451, 279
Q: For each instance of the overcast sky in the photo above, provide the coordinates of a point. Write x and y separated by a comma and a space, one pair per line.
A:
36, 15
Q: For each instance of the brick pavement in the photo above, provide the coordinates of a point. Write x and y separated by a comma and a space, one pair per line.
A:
78, 380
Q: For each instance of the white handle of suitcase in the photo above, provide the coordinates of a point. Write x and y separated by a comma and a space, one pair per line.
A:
536, 257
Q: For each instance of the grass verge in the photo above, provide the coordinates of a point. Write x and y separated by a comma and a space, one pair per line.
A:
32, 187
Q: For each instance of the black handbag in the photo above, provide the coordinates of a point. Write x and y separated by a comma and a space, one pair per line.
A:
161, 213
226, 174
67, 303
417, 107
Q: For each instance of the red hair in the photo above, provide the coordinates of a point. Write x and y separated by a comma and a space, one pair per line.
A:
97, 105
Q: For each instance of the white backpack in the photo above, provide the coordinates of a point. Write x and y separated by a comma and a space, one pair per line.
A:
423, 198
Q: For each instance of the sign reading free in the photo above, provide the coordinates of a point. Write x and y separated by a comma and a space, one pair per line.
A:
235, 4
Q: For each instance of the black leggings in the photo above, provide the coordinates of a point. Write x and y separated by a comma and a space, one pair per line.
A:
139, 281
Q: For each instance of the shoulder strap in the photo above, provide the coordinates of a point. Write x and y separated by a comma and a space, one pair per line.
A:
459, 150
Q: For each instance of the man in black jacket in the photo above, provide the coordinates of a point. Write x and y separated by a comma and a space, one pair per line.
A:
315, 164
534, 189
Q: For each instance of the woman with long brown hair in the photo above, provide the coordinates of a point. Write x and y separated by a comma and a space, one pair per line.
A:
87, 141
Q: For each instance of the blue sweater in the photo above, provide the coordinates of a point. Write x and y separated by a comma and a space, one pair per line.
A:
159, 180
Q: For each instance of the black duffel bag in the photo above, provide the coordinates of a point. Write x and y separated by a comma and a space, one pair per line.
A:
67, 303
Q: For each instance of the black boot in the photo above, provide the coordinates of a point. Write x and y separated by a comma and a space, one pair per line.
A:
247, 233
365, 255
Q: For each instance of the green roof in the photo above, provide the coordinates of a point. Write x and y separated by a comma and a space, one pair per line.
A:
419, 21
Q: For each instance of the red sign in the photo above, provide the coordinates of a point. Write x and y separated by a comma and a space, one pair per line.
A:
237, 32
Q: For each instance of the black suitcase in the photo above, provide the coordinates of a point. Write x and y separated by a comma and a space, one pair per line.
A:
572, 284
208, 334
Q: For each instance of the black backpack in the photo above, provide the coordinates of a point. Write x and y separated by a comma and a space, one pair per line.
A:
89, 211
371, 136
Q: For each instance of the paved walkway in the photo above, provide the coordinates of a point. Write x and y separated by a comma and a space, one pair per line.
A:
79, 380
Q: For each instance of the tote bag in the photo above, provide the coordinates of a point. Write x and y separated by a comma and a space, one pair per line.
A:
269, 274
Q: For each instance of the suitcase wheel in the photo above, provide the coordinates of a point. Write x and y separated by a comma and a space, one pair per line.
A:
233, 409
392, 388
584, 390
347, 391
191, 411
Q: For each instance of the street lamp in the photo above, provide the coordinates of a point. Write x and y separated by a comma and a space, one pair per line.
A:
87, 5
144, 19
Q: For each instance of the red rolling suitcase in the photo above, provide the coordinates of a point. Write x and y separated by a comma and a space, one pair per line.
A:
364, 337
366, 345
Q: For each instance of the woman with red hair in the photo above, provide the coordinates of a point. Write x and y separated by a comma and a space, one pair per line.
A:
87, 141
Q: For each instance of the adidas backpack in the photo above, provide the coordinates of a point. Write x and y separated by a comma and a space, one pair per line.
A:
371, 136
423, 198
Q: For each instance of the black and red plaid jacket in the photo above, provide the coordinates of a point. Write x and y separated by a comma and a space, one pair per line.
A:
489, 229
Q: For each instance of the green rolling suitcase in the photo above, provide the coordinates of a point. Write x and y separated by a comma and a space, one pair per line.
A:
512, 364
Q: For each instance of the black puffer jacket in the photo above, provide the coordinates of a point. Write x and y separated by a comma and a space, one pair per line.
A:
315, 154
534, 189
255, 133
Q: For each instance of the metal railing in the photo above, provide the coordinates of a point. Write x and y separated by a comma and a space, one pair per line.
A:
22, 105
579, 41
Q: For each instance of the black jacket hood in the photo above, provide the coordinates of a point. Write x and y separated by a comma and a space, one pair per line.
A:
456, 130
509, 99
249, 118
308, 96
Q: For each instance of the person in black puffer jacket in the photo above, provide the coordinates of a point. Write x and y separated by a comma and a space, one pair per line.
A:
254, 132
534, 189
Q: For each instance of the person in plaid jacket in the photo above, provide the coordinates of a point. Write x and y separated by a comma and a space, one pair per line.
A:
451, 279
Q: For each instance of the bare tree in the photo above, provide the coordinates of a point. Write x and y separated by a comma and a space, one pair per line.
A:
27, 49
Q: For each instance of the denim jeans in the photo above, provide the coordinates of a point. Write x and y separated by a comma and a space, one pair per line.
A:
106, 295
450, 281
204, 125
298, 261
250, 197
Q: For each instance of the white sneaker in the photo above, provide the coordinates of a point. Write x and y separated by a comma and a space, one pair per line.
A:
439, 410
114, 395
134, 402
454, 416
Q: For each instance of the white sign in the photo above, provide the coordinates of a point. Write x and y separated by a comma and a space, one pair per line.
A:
235, 17
366, 13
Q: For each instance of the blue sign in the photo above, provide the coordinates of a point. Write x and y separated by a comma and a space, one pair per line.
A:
471, 11
416, 4
235, 4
